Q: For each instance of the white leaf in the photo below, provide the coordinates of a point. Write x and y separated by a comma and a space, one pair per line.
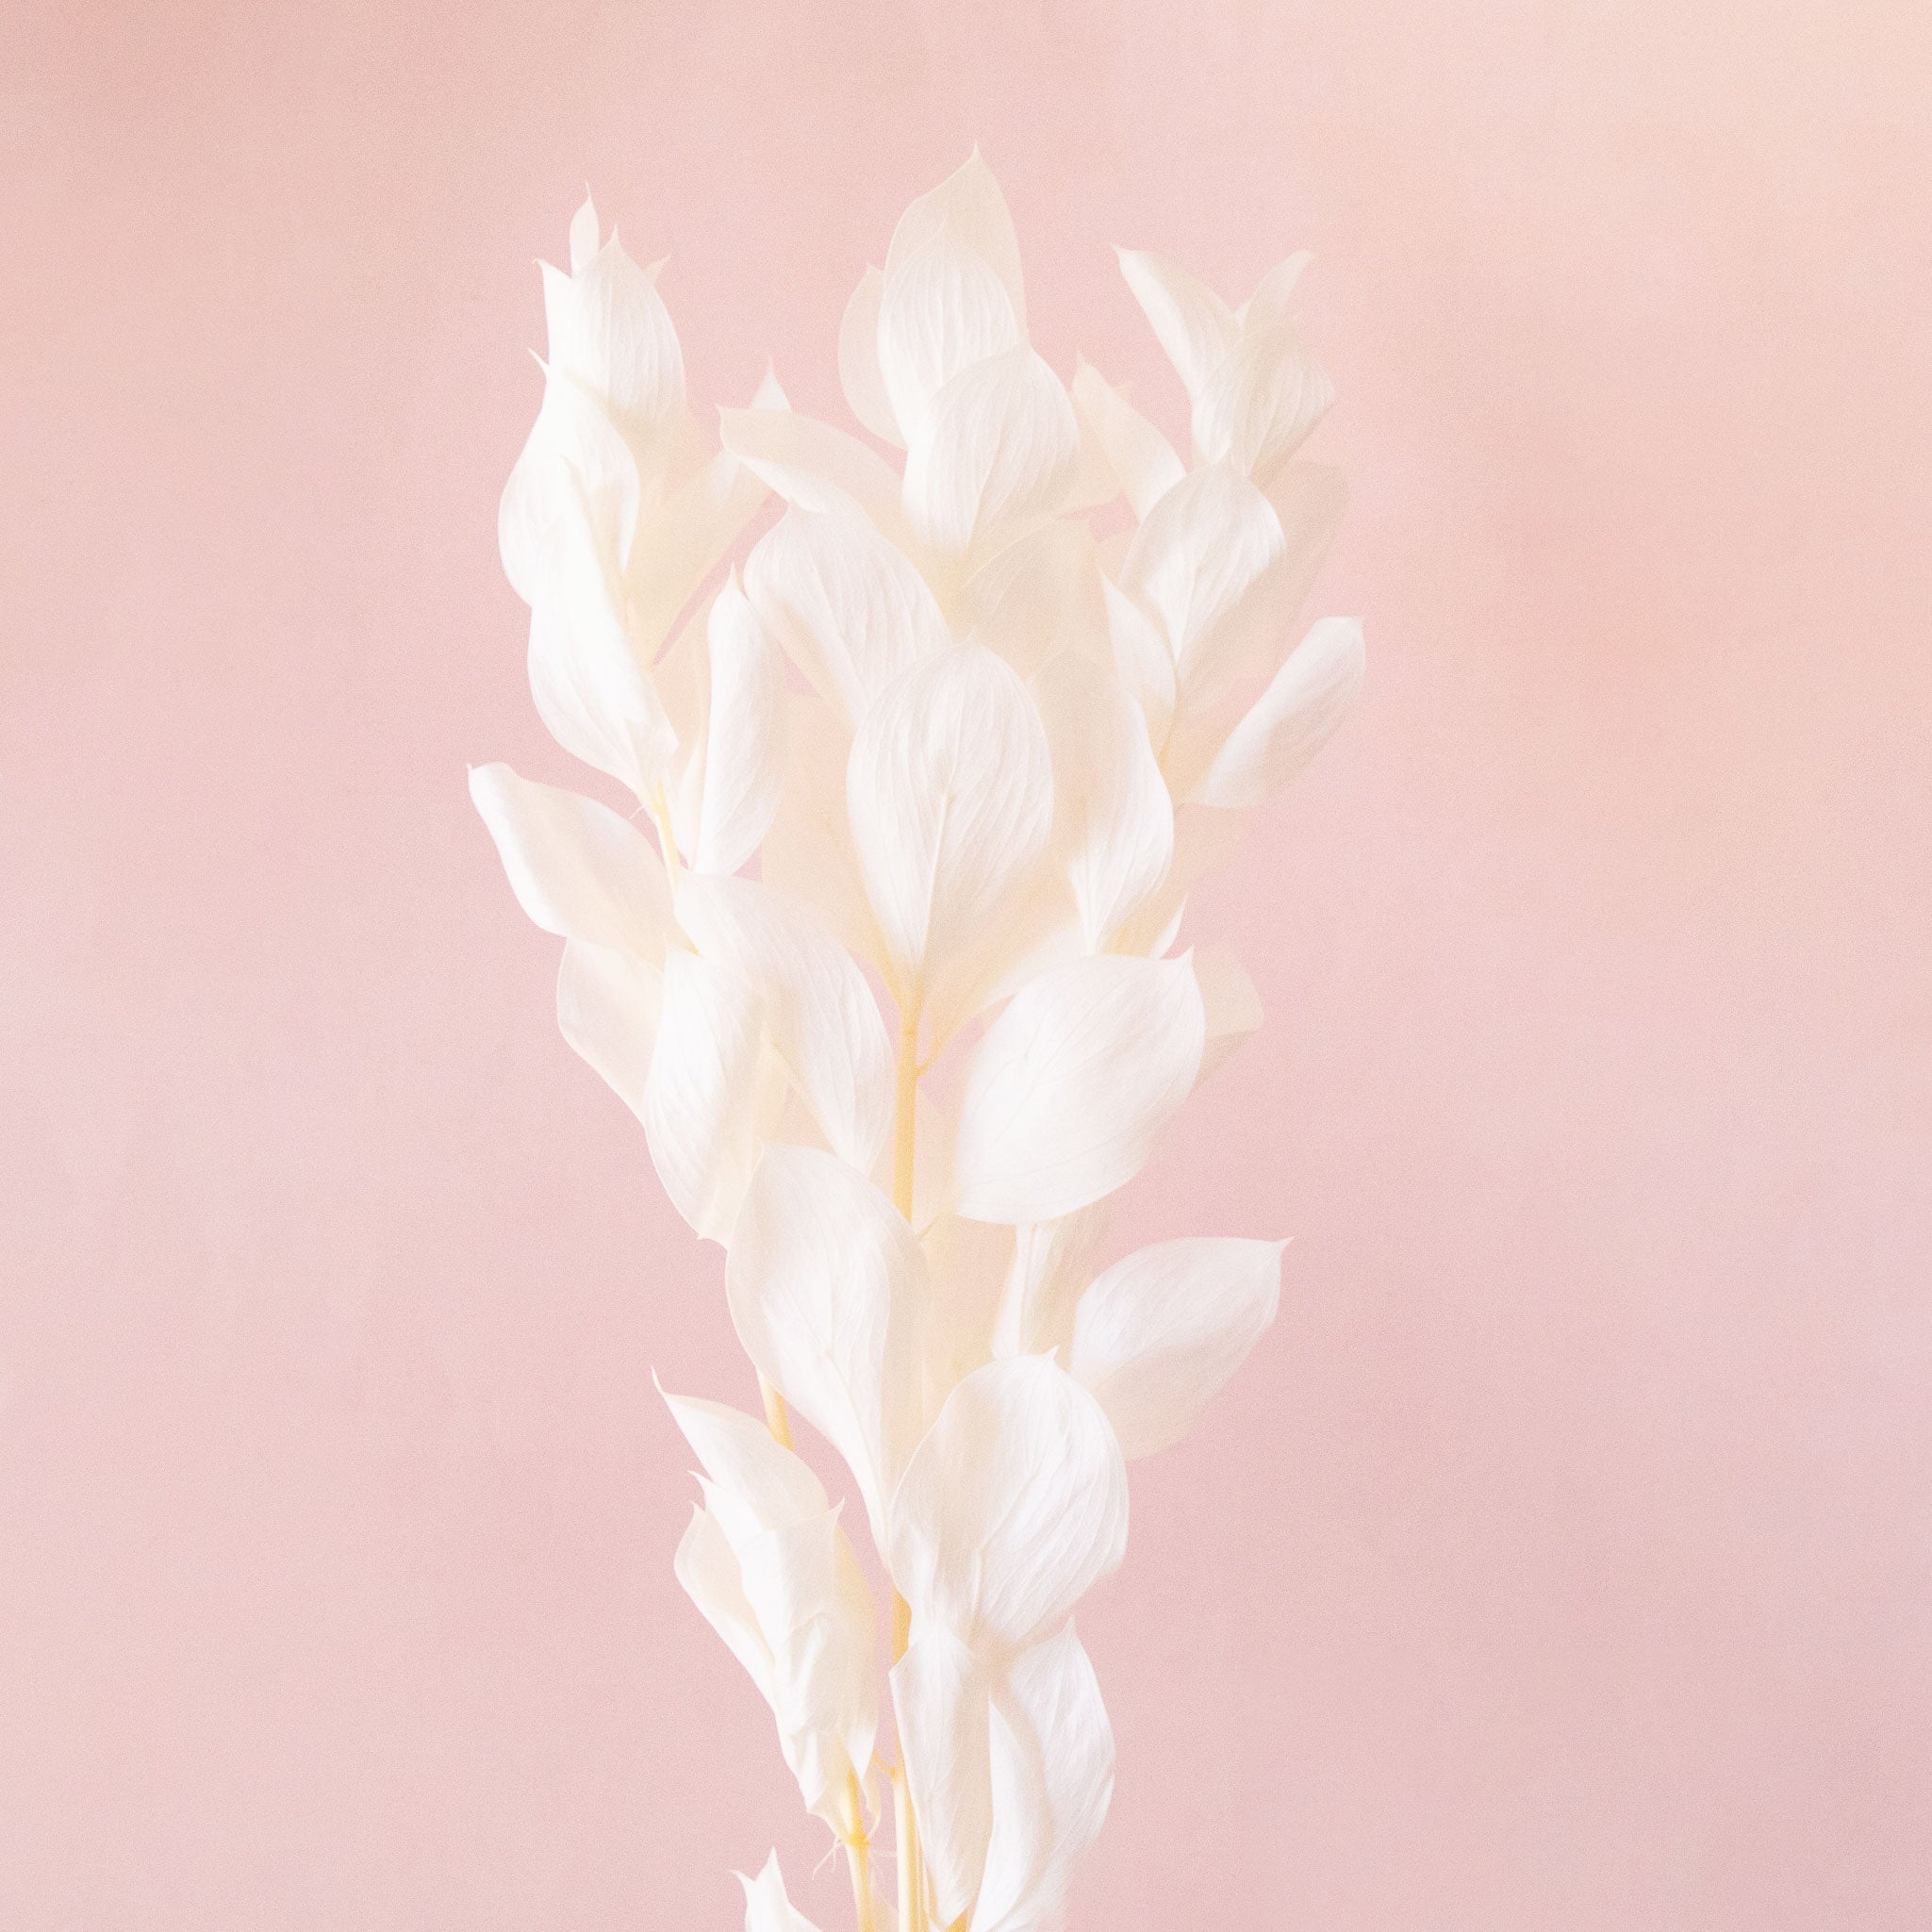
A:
584, 232
940, 1698
1197, 559
1290, 720
1039, 594
951, 793
1232, 1006
967, 211
968, 1262
859, 374
1261, 405
823, 1019
1204, 841
771, 1485
943, 310
588, 675
1191, 323
811, 465
618, 342
1113, 820
1269, 302
767, 1907
576, 867
608, 1009
826, 1285
707, 1102
573, 456
998, 454
740, 757
1069, 1085
1159, 1333
1013, 1506
847, 607
707, 1567
1142, 459
1051, 1763
1053, 1262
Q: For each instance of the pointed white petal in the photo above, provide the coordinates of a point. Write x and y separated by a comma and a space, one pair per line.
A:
767, 1907
1013, 1506
998, 454
1232, 1007
847, 607
1039, 594
1290, 720
589, 677
858, 361
1113, 820
572, 438
1051, 1763
608, 1009
576, 867
1204, 841
708, 1570
1069, 1085
970, 1261
1195, 562
811, 465
823, 1019
967, 210
743, 746
939, 1695
1269, 302
582, 234
942, 309
1159, 1333
1141, 458
1191, 323
1052, 1262
706, 1103
1262, 404
950, 792
776, 1487
826, 1285
618, 343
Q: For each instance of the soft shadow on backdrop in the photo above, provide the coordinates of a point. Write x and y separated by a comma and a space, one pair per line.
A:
1562, 1559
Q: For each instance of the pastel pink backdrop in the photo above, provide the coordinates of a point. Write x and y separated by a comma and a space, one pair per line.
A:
1563, 1559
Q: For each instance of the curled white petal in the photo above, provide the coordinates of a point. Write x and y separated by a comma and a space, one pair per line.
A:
1142, 460
1191, 323
608, 1003
1290, 720
941, 1697
767, 1907
859, 374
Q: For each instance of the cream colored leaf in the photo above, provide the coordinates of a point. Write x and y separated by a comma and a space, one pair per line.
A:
1262, 404
708, 1101
740, 757
1229, 1002
1068, 1087
826, 1286
808, 856
1190, 321
859, 374
1051, 1773
998, 453
967, 211
940, 1698
1051, 1264
950, 792
823, 1019
1011, 1508
847, 607
814, 465
584, 234
1290, 720
1042, 593
1142, 460
608, 1009
1113, 820
573, 464
576, 867
942, 309
767, 1907
1159, 1334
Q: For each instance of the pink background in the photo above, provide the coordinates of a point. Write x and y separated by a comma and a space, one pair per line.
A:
1564, 1559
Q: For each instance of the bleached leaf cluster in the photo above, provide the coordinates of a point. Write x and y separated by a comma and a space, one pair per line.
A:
879, 937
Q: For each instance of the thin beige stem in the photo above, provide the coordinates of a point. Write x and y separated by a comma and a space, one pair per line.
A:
911, 1892
901, 1625
858, 1856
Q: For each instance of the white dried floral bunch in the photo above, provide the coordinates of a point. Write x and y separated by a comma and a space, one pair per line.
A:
979, 753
